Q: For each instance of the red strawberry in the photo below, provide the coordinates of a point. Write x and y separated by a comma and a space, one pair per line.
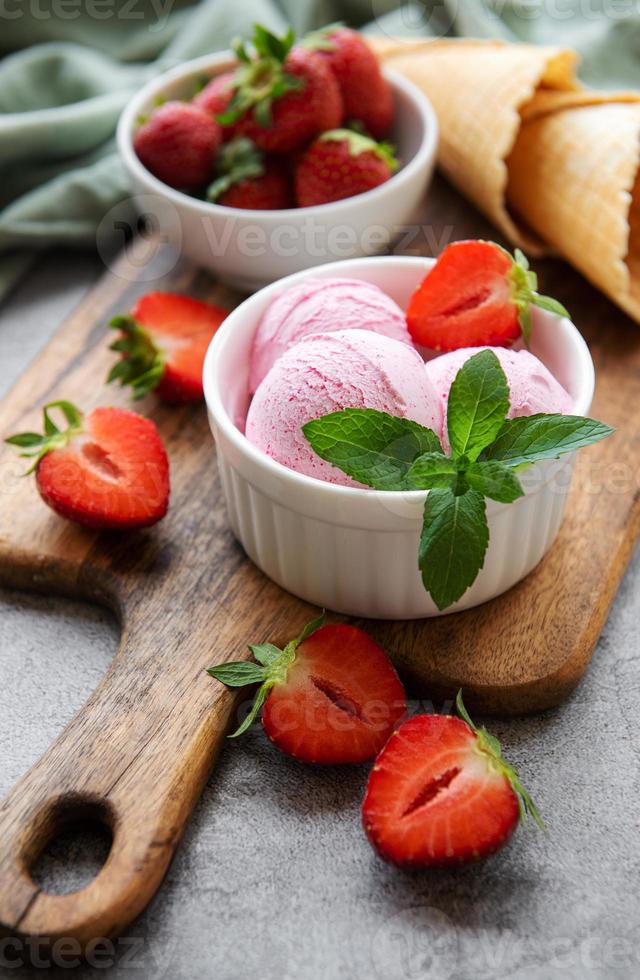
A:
331, 696
440, 793
475, 295
366, 94
108, 470
341, 164
178, 144
162, 345
284, 97
215, 98
247, 180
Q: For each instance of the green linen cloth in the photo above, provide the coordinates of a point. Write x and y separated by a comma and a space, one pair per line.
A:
69, 66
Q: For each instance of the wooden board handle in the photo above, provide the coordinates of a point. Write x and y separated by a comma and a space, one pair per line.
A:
134, 758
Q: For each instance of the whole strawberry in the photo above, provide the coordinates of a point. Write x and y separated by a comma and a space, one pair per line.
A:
283, 97
366, 93
246, 179
441, 793
215, 98
340, 164
178, 144
331, 696
162, 345
107, 470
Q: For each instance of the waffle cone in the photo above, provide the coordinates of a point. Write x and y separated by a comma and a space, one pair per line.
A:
553, 165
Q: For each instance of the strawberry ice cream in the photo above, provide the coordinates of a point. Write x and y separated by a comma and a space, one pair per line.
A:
532, 387
326, 373
322, 306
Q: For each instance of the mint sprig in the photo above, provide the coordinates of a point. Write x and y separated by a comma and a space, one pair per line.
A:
487, 449
271, 669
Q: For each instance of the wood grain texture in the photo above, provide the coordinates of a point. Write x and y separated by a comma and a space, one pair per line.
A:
137, 754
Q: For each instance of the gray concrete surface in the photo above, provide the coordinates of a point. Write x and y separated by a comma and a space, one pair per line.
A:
275, 879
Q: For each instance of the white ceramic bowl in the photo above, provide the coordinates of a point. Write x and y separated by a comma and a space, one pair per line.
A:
248, 249
355, 551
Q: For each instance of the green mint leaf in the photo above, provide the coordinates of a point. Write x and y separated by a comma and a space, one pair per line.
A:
530, 438
239, 673
433, 470
478, 404
454, 541
490, 746
266, 653
495, 480
370, 446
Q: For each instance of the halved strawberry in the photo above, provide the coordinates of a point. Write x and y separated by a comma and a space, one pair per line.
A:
331, 696
162, 345
106, 470
476, 295
440, 793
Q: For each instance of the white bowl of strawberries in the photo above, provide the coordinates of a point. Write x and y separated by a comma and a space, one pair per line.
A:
271, 162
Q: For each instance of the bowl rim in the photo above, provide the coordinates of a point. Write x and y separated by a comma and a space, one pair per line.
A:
126, 124
309, 484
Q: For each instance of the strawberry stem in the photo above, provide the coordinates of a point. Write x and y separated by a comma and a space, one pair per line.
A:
271, 668
141, 364
38, 445
238, 160
490, 747
360, 143
524, 294
259, 82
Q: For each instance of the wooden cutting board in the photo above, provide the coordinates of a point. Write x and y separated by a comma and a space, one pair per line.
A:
137, 754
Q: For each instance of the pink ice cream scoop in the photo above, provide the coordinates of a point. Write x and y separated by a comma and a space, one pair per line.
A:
322, 306
326, 373
532, 387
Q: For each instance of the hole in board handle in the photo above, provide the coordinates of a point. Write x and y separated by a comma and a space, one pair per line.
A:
69, 843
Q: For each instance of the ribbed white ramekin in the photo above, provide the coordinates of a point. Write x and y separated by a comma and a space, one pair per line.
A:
355, 551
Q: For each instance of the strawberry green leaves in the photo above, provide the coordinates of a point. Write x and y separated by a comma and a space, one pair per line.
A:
271, 669
36, 445
490, 746
524, 293
259, 81
141, 363
487, 449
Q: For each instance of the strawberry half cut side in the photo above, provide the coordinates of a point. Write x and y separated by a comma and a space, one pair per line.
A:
106, 470
331, 696
162, 345
440, 793
476, 295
